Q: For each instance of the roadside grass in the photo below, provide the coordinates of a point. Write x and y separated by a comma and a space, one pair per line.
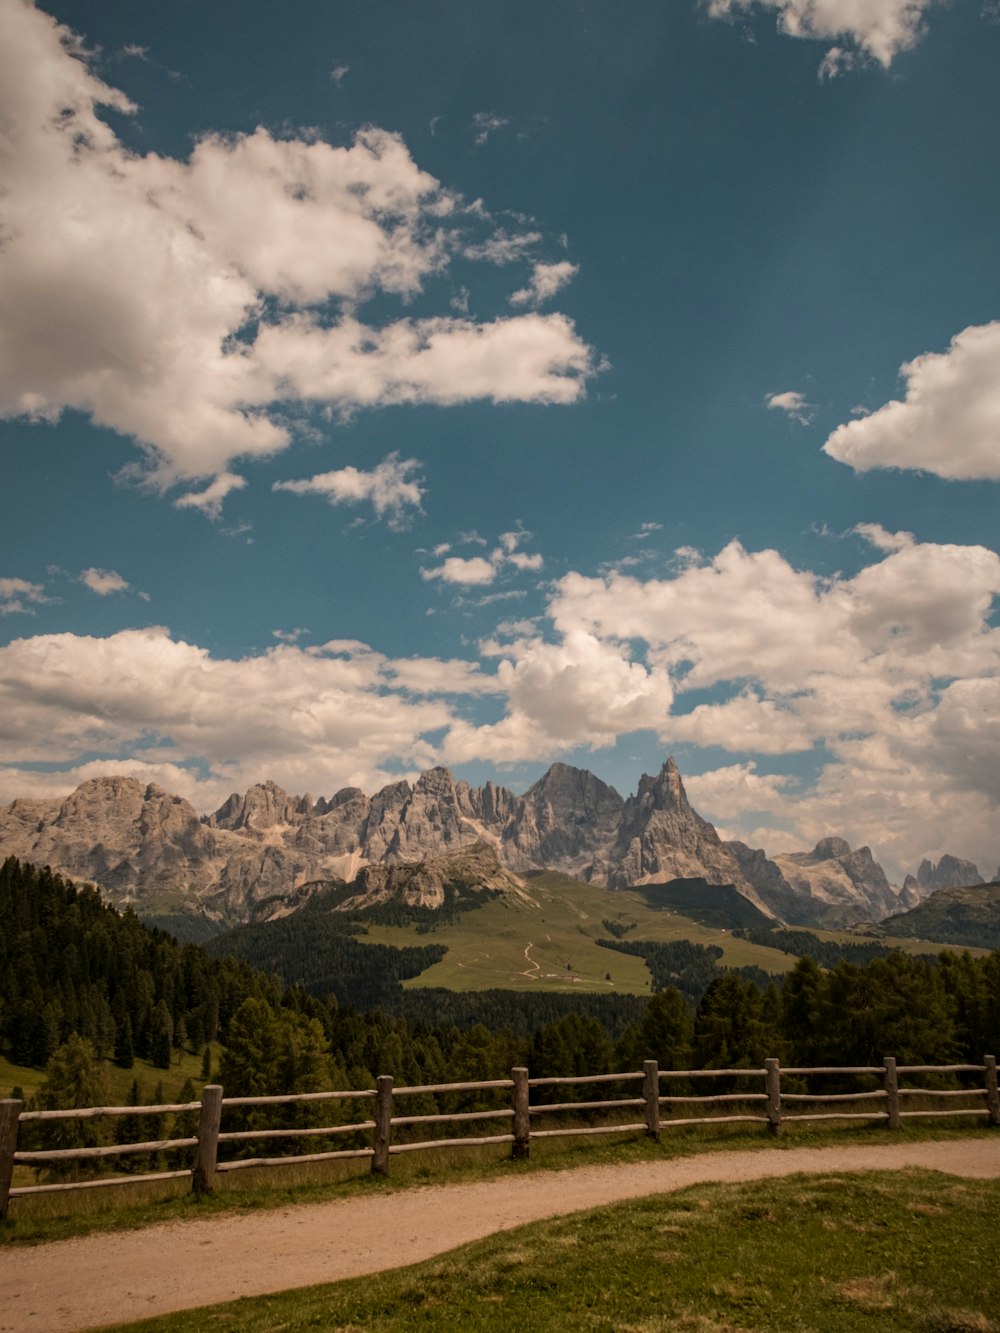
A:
48, 1217
911, 1250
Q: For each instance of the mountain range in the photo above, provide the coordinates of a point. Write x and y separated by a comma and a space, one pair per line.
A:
257, 855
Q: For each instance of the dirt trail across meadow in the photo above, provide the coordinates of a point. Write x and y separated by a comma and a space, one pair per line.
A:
117, 1277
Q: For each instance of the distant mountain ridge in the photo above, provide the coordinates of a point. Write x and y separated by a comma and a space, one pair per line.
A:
965, 914
149, 848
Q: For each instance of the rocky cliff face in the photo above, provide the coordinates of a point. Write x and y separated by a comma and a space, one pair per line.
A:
838, 887
468, 873
259, 849
951, 872
661, 838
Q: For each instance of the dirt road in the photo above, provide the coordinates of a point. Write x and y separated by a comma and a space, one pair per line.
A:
81, 1284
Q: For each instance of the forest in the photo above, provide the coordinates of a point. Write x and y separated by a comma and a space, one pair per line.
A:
82, 983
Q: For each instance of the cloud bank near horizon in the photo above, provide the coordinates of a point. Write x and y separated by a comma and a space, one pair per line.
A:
887, 675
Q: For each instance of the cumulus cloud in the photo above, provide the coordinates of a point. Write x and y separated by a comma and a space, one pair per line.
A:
474, 571
181, 302
481, 570
19, 597
209, 500
880, 29
881, 538
316, 718
579, 691
546, 280
893, 674
889, 680
949, 421
793, 404
389, 488
103, 581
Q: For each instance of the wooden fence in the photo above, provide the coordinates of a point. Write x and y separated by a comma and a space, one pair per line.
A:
768, 1107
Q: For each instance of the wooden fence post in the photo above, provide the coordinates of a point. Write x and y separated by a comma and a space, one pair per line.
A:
992, 1091
651, 1093
383, 1125
772, 1086
891, 1082
9, 1112
207, 1151
522, 1116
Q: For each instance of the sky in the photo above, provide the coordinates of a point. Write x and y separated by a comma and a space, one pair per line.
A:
392, 385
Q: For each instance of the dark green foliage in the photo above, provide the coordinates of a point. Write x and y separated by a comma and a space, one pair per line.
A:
968, 916
689, 968
522, 1012
732, 1029
70, 964
802, 942
320, 951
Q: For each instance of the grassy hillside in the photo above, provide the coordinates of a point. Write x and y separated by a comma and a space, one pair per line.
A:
185, 1066
552, 942
967, 916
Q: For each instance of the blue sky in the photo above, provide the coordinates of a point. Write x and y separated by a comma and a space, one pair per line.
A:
385, 385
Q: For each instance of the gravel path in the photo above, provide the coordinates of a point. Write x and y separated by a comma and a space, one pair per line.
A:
116, 1277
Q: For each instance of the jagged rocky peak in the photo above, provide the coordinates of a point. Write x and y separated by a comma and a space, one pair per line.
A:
261, 808
951, 872
831, 849
838, 887
575, 793
665, 791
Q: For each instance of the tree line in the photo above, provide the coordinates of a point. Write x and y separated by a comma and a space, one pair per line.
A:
82, 984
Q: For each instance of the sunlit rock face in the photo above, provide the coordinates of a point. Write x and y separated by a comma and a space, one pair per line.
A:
256, 852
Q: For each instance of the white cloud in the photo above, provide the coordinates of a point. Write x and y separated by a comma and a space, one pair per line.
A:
210, 500
389, 488
734, 792
338, 73
580, 691
314, 718
793, 404
174, 300
894, 672
881, 29
546, 280
502, 247
474, 572
103, 581
890, 679
882, 539
949, 422
480, 570
18, 596
486, 123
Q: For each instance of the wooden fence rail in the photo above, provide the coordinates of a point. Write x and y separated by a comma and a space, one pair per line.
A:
520, 1115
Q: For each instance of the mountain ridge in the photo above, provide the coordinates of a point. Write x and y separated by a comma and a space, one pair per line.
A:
150, 849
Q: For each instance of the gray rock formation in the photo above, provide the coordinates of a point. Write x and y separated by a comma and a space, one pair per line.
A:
466, 873
951, 872
565, 820
661, 838
771, 886
838, 887
258, 850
